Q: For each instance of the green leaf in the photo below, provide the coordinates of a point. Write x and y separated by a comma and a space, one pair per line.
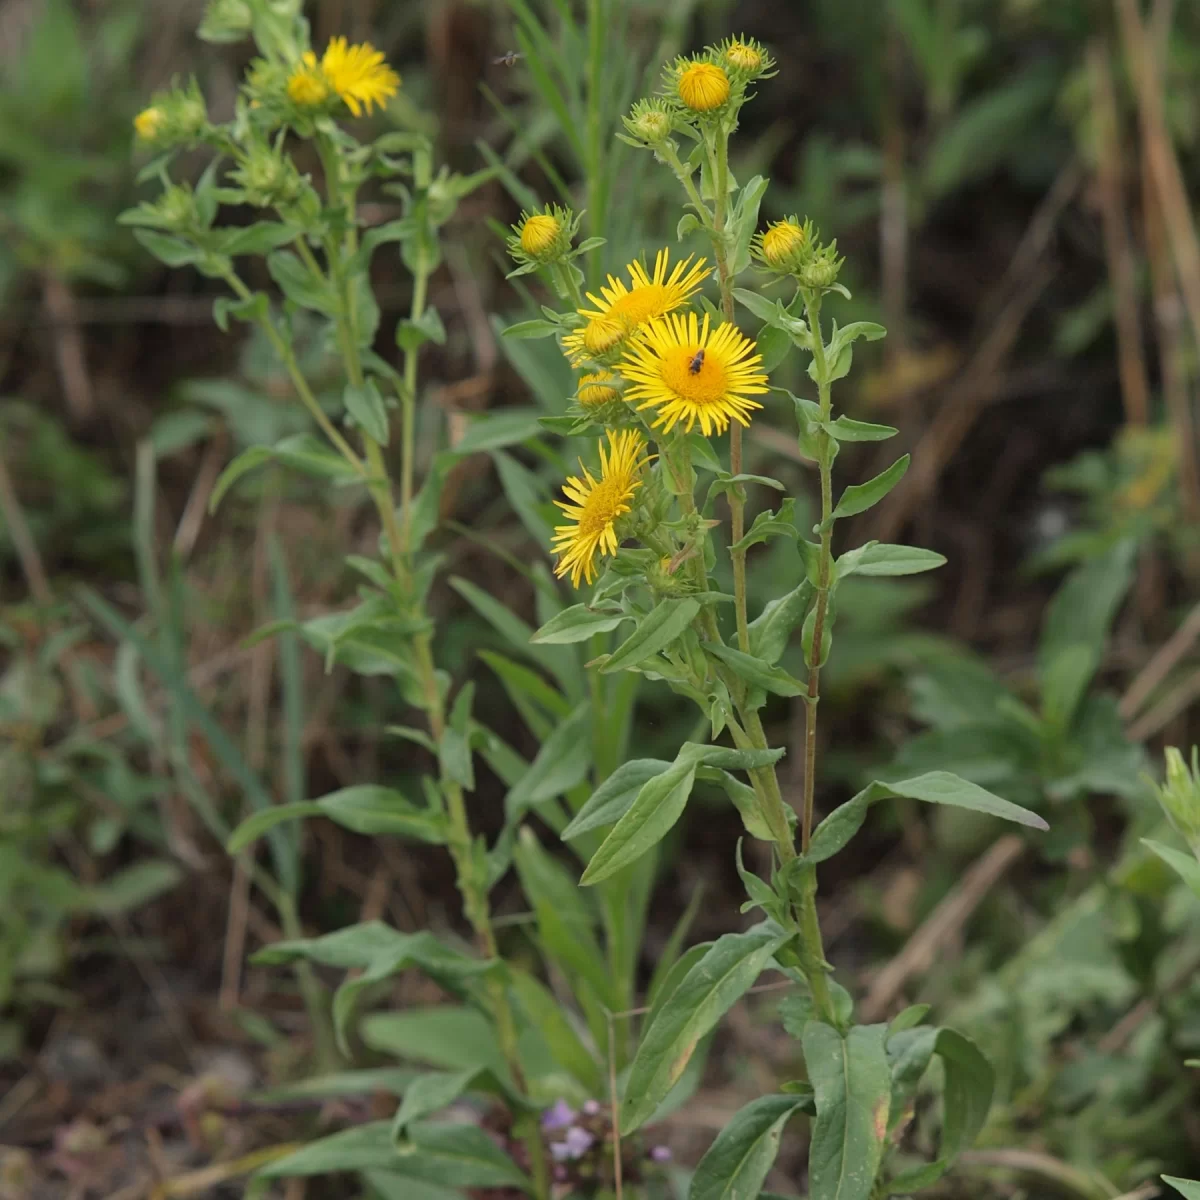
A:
168, 250
301, 451
427, 327
536, 328
430, 1093
365, 405
457, 1155
848, 334
881, 558
577, 624
259, 238
658, 805
771, 629
1184, 865
128, 889
712, 985
966, 1099
615, 796
737, 1163
356, 1149
861, 496
366, 808
756, 671
846, 429
545, 1014
447, 1036
1188, 1188
508, 427
561, 763
852, 1088
299, 284
656, 631
835, 831
941, 787
769, 524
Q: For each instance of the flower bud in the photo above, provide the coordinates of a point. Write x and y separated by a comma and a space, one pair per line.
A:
782, 245
702, 86
597, 389
226, 21
1179, 795
649, 122
150, 123
538, 235
820, 272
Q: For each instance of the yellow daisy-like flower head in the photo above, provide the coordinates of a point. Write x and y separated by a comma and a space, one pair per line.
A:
307, 86
619, 310
702, 86
359, 75
539, 233
594, 506
689, 373
150, 123
596, 389
782, 244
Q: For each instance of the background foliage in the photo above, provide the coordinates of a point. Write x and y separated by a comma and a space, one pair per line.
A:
1012, 191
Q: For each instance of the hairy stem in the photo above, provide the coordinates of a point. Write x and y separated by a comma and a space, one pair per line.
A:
812, 305
737, 499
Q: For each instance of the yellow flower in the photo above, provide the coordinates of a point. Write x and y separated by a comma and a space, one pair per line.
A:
538, 234
687, 373
593, 506
702, 86
619, 310
307, 85
359, 75
743, 57
149, 123
597, 388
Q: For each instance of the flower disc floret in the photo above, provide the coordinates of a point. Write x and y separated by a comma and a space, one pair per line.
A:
619, 309
594, 506
702, 86
689, 373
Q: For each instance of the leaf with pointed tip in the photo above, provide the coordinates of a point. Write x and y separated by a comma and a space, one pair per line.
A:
725, 972
737, 1163
858, 497
656, 631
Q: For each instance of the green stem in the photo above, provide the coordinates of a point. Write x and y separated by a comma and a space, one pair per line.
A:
397, 533
671, 158
596, 175
736, 496
408, 404
812, 697
284, 350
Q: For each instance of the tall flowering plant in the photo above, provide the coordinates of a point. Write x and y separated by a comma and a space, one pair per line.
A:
564, 1069
669, 380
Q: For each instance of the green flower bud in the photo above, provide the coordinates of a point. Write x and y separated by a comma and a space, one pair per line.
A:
226, 21
1179, 795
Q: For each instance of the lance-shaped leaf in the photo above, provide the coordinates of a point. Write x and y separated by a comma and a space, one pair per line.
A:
756, 671
709, 989
655, 631
771, 629
852, 1088
737, 1163
577, 624
880, 558
861, 496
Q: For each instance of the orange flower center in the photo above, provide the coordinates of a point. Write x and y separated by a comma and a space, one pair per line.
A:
700, 384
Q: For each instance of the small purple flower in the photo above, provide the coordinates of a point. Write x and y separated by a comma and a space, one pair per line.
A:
591, 1108
661, 1154
578, 1143
558, 1117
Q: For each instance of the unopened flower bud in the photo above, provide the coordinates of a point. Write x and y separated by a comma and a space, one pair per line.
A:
702, 86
